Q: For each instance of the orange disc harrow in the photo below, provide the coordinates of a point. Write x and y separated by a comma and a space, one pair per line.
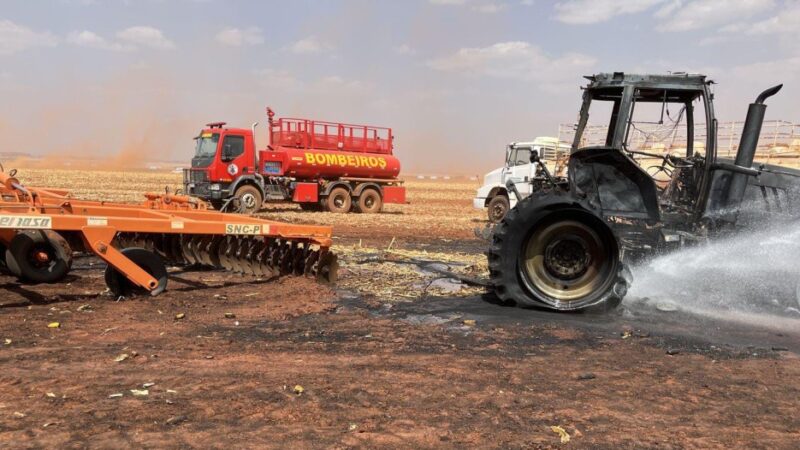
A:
41, 227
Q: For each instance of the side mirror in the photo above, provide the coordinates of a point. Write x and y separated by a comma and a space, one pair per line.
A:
534, 156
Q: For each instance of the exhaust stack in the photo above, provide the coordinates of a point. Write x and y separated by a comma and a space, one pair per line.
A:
747, 147
255, 149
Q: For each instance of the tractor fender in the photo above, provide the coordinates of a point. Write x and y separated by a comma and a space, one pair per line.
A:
360, 188
328, 187
247, 180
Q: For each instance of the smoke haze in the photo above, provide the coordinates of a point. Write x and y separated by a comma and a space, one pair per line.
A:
455, 82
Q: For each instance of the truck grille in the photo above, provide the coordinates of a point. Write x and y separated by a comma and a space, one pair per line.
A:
195, 176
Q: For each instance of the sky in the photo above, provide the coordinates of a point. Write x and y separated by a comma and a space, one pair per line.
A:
131, 80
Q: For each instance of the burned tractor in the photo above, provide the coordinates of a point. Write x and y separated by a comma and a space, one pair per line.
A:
568, 245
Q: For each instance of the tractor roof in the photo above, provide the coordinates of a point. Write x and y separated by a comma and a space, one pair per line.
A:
676, 80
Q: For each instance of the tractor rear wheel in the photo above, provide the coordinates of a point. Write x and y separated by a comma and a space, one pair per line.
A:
121, 286
559, 257
249, 199
497, 209
369, 202
39, 256
339, 200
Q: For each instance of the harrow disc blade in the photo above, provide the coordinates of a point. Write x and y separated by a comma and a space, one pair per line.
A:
225, 248
242, 244
328, 268
186, 249
201, 250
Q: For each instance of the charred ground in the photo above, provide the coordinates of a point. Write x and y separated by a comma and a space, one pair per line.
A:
390, 359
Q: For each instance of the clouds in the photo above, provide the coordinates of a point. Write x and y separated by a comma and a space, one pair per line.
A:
479, 6
91, 39
693, 15
236, 37
595, 11
308, 45
126, 40
15, 38
147, 37
787, 21
671, 15
515, 60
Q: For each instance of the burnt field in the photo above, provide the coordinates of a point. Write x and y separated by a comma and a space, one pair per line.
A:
393, 356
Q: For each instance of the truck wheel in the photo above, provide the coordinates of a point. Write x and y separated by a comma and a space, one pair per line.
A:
498, 207
370, 201
249, 199
556, 256
39, 256
339, 200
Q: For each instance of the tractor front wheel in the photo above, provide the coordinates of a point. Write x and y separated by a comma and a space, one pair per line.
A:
559, 257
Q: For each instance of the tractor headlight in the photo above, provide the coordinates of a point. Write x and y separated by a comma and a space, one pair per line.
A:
214, 187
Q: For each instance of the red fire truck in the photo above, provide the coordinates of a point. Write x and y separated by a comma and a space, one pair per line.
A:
320, 165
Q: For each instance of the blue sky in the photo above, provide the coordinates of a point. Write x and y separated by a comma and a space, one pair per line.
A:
456, 79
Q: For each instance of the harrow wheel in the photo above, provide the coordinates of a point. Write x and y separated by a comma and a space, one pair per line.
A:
121, 286
3, 266
39, 256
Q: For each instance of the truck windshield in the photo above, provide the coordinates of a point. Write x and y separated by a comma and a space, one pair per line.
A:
206, 145
518, 156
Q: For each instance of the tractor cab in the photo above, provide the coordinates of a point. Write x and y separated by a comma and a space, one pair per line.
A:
651, 158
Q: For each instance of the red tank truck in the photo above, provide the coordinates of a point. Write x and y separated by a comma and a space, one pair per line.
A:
320, 165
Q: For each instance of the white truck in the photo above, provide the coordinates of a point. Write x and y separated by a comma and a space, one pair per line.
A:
494, 195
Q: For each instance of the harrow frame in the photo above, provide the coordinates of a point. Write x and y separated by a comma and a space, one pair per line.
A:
105, 227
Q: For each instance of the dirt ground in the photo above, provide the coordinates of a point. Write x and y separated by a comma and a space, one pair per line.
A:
387, 358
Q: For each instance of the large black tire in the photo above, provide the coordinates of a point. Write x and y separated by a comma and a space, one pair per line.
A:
248, 199
498, 208
39, 256
554, 253
121, 286
339, 200
369, 202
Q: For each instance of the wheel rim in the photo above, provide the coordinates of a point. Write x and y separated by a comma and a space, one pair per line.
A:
42, 256
248, 201
338, 201
498, 211
369, 202
567, 261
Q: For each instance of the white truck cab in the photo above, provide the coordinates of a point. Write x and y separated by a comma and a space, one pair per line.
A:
518, 168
